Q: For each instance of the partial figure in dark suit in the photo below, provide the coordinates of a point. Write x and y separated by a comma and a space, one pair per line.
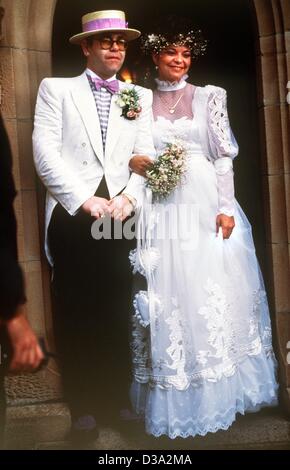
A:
14, 326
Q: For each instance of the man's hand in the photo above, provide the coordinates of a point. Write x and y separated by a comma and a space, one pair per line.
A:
121, 207
27, 354
226, 223
97, 207
140, 164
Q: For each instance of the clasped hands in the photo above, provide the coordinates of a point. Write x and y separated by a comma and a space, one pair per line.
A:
119, 208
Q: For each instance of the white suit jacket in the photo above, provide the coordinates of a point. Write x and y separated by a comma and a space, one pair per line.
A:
68, 149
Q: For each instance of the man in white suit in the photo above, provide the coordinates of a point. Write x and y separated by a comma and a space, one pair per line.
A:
83, 141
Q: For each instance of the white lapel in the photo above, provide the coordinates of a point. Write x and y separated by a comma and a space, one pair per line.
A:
84, 100
115, 124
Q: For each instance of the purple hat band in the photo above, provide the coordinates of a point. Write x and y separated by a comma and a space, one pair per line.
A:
105, 23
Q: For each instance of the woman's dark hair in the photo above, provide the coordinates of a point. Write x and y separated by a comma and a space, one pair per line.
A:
172, 25
174, 30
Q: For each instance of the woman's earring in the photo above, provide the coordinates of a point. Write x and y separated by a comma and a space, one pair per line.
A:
156, 67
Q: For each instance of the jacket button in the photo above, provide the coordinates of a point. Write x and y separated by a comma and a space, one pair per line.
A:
84, 144
85, 163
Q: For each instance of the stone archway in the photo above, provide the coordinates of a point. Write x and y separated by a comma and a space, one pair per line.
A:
25, 55
25, 58
273, 67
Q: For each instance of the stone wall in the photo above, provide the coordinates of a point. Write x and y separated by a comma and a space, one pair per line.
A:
273, 67
25, 58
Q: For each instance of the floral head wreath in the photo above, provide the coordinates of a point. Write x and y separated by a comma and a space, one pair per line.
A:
154, 43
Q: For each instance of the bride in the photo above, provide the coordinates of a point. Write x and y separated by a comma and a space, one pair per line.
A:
202, 347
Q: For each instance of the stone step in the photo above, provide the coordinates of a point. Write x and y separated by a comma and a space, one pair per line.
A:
45, 426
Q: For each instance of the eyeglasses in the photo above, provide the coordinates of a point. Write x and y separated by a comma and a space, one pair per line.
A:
107, 43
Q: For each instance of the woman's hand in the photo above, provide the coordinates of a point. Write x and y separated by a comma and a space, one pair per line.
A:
226, 223
140, 164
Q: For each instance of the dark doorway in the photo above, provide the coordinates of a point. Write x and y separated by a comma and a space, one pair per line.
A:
229, 63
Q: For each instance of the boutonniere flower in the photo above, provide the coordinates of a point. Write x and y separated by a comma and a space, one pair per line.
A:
129, 101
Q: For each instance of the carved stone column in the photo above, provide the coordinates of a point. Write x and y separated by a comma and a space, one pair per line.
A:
273, 19
25, 58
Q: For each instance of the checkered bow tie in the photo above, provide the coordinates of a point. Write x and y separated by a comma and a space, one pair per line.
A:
112, 86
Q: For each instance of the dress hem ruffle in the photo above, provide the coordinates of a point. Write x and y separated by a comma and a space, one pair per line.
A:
242, 392
222, 426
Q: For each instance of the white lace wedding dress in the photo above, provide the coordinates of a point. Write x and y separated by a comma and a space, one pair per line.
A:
207, 352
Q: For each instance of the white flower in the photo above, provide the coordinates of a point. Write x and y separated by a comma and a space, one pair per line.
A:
121, 103
152, 37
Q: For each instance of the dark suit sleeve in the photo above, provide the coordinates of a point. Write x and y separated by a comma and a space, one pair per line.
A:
11, 279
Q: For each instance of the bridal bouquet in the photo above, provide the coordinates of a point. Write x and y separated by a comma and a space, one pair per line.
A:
166, 171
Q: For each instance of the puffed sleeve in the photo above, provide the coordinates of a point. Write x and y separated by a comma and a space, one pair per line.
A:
224, 148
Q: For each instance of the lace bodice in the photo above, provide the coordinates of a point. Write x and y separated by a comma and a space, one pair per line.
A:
179, 98
184, 130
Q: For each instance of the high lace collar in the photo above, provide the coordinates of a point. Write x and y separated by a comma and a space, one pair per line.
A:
164, 85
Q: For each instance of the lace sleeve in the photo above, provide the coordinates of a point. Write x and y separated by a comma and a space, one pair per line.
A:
225, 184
224, 148
221, 138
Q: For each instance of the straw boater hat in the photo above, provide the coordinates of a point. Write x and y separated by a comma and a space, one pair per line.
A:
106, 21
